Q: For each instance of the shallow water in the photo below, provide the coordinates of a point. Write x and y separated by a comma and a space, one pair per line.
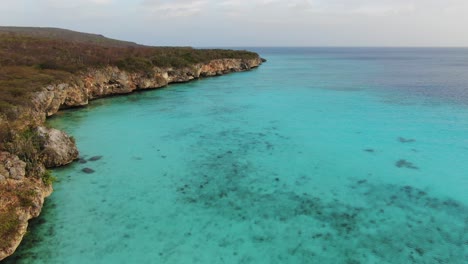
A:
318, 156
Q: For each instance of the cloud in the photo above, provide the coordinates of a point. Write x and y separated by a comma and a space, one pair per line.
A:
177, 8
75, 3
363, 7
253, 22
335, 7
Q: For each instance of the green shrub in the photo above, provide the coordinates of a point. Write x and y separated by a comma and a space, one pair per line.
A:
48, 178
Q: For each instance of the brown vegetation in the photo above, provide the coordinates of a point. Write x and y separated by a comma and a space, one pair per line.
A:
31, 58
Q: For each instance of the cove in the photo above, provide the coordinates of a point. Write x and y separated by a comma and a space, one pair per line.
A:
318, 156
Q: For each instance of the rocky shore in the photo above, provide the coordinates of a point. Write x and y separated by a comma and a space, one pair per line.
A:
23, 197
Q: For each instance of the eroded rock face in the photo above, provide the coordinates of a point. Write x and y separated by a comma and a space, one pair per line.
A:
98, 83
11, 167
21, 200
218, 67
59, 149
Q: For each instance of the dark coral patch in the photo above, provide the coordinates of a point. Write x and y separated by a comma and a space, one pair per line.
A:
87, 170
405, 164
361, 181
95, 158
406, 140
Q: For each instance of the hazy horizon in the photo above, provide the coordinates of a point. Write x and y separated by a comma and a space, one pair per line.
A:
254, 23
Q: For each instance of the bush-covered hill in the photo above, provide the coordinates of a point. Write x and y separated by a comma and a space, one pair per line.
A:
33, 57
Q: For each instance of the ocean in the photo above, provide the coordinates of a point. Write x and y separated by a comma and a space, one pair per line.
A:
321, 155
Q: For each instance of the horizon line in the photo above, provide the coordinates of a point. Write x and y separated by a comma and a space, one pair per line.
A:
403, 47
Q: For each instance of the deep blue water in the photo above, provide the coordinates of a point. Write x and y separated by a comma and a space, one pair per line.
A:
321, 155
431, 74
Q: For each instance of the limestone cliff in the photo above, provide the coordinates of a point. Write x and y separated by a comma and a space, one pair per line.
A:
22, 197
109, 81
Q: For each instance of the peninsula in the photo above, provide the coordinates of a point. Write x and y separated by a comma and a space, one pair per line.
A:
44, 70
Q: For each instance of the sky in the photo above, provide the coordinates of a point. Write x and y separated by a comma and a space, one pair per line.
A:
248, 23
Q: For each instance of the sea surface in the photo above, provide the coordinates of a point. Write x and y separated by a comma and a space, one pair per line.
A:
321, 155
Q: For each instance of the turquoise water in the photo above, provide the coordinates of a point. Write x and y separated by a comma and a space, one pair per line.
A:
318, 156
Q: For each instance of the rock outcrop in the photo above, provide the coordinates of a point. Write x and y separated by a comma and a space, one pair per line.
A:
58, 148
22, 197
11, 167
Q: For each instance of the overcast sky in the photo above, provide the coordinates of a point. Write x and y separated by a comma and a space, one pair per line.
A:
253, 22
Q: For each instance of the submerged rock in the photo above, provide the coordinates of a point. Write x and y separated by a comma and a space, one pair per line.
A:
405, 164
95, 158
87, 170
406, 140
82, 160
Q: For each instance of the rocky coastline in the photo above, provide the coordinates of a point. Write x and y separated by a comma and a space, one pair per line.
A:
22, 196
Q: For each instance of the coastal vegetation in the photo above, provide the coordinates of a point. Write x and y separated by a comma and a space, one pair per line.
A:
31, 59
